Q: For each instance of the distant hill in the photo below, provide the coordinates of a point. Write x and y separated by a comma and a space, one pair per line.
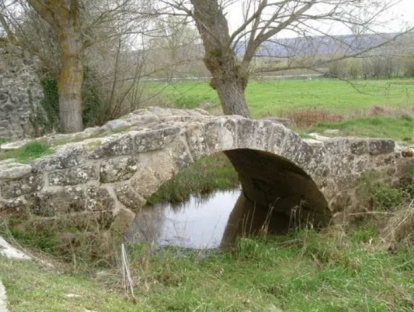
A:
324, 45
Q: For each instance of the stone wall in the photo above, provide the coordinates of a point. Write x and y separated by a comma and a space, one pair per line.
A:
20, 94
109, 172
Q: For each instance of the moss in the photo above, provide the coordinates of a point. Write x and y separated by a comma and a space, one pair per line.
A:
28, 152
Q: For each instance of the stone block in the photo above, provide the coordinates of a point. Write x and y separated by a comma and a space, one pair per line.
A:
118, 169
117, 125
245, 133
117, 146
380, 146
359, 147
73, 176
28, 184
154, 140
196, 140
99, 199
278, 135
58, 201
128, 197
66, 157
11, 171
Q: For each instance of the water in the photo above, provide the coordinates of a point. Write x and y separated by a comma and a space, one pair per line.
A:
198, 223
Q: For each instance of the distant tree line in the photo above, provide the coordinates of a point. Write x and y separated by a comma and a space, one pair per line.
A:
372, 67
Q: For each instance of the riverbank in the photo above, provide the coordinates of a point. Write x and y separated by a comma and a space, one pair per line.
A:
337, 270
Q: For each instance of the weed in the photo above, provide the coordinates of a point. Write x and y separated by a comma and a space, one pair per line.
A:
28, 152
305, 118
4, 140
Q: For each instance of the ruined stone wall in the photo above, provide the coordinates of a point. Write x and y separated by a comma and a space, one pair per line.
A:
20, 94
110, 171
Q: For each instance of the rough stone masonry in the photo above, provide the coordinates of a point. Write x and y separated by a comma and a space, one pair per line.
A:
107, 173
20, 94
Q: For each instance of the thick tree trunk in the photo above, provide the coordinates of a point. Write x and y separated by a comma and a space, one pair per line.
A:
228, 80
70, 82
231, 92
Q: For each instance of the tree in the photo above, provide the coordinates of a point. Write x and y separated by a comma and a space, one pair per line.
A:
174, 49
67, 39
263, 21
64, 17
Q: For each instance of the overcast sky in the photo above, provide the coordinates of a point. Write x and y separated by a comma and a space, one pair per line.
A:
396, 19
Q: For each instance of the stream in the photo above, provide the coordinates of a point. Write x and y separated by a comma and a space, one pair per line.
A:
198, 223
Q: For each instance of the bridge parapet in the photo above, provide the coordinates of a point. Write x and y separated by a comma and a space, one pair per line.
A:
110, 171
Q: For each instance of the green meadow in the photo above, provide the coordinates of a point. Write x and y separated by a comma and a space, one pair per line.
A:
272, 97
374, 108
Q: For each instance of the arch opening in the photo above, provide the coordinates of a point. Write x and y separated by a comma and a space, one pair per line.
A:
276, 196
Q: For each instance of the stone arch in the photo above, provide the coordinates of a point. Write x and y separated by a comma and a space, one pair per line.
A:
110, 171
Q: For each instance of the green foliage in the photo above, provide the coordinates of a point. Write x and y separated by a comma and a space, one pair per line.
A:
91, 99
4, 140
28, 152
43, 238
204, 176
93, 105
380, 196
50, 102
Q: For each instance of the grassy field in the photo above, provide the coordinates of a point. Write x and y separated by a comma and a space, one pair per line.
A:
395, 127
304, 271
314, 105
271, 97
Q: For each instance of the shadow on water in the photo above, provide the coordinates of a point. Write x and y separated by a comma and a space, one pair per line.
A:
205, 222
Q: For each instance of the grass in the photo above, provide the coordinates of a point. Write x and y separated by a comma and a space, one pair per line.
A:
28, 152
304, 271
334, 104
207, 174
4, 140
337, 269
34, 288
398, 128
272, 97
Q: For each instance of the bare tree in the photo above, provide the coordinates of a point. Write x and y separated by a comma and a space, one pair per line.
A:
64, 17
229, 54
64, 36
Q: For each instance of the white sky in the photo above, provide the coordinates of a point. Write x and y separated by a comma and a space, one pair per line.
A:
398, 18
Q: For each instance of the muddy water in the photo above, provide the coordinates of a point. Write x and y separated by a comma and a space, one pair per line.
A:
198, 223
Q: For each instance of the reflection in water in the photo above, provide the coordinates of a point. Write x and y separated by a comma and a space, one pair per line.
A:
207, 222
197, 223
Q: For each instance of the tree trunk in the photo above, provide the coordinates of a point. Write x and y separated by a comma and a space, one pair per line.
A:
231, 92
220, 59
70, 82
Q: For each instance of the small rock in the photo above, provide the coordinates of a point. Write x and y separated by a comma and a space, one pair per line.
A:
117, 125
14, 171
14, 145
332, 132
72, 296
6, 250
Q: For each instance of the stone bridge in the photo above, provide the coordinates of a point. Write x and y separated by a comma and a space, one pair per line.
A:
107, 173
